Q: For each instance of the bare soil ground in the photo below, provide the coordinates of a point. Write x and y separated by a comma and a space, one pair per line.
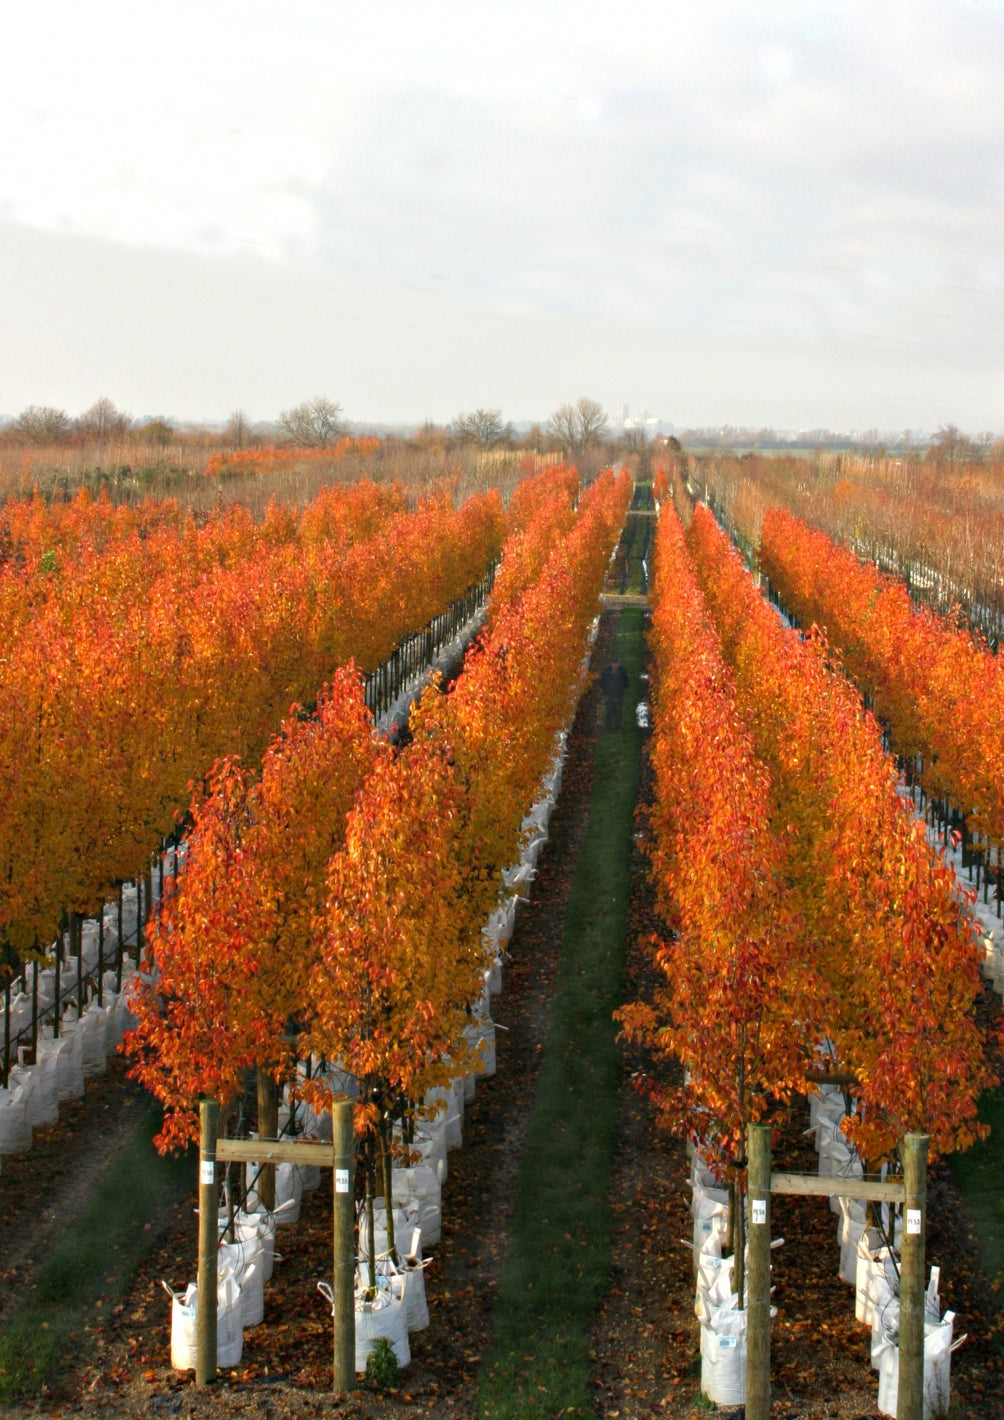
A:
645, 1343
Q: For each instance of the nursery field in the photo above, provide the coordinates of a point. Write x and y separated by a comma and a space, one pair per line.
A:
561, 1275
644, 1340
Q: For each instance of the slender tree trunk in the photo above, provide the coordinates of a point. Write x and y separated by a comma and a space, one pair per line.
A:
738, 1193
387, 1166
371, 1250
268, 1128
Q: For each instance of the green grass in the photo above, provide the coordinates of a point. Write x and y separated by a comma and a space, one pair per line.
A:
95, 1260
558, 1265
978, 1174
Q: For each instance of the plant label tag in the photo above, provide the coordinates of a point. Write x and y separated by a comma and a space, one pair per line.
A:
207, 1171
913, 1220
759, 1210
341, 1180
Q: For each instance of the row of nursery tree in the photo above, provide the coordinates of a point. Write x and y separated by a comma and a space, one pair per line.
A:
139, 646
332, 897
803, 902
938, 525
939, 693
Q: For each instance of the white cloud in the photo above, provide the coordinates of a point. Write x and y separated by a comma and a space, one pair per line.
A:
813, 171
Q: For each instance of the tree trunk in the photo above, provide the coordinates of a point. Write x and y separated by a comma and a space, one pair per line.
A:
386, 1163
268, 1128
738, 1193
371, 1250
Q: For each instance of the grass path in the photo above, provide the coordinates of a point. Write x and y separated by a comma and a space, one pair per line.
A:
89, 1269
558, 1265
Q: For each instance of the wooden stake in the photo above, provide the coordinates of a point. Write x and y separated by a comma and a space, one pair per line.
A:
758, 1275
910, 1403
344, 1247
205, 1339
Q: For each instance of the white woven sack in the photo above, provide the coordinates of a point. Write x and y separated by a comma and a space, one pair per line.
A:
244, 1260
938, 1347
184, 1324
257, 1227
430, 1142
406, 1225
69, 1057
872, 1263
421, 1185
288, 1193
518, 879
480, 1036
93, 1027
450, 1112
711, 1212
384, 1316
827, 1104
849, 1230
43, 1107
15, 1126
723, 1357
408, 1284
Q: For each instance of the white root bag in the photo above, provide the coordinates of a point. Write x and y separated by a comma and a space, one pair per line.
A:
827, 1104
43, 1107
723, 1356
938, 1348
714, 1281
70, 1066
115, 1010
15, 1127
501, 922
288, 1193
94, 1026
408, 1284
421, 1185
430, 1143
184, 1324
451, 1114
519, 880
494, 976
885, 1319
711, 1215
260, 1228
875, 1268
406, 1225
480, 1036
244, 1260
537, 819
849, 1229
530, 852
383, 1316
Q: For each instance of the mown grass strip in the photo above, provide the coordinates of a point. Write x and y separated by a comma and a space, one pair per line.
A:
978, 1173
558, 1265
95, 1260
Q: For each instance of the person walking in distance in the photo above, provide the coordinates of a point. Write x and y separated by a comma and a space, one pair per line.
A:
613, 682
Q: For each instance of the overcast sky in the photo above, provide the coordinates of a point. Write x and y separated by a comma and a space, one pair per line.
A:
745, 213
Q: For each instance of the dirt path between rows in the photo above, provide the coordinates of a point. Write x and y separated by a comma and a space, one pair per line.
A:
646, 1338
43, 1192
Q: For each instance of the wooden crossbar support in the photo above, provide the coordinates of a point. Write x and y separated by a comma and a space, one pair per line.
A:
814, 1185
276, 1151
910, 1191
339, 1156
